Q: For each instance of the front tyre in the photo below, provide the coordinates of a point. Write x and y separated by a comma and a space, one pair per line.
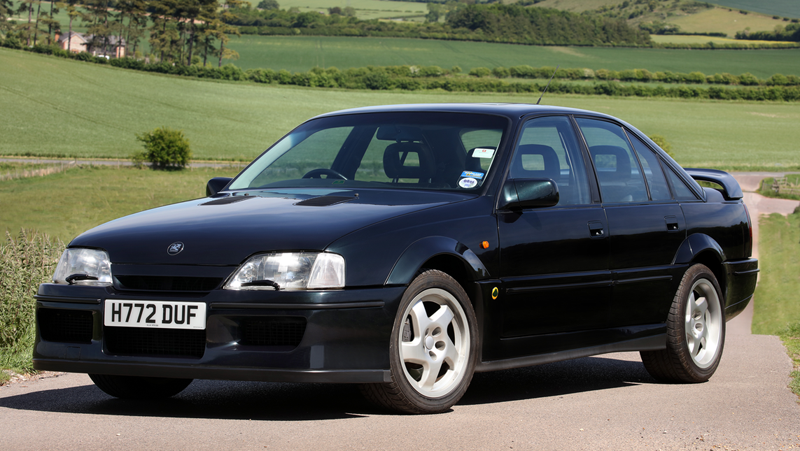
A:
133, 387
432, 350
695, 331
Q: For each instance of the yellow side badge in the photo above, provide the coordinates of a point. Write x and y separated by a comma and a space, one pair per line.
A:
495, 293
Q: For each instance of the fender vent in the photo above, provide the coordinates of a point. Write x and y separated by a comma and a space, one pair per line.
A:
324, 201
228, 200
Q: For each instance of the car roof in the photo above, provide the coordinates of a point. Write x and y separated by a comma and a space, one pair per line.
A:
503, 109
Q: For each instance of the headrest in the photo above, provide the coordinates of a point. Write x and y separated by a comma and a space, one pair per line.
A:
395, 162
612, 157
552, 167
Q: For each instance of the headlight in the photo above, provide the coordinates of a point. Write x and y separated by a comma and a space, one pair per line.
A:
83, 267
289, 271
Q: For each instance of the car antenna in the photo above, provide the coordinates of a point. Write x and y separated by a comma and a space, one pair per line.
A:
548, 84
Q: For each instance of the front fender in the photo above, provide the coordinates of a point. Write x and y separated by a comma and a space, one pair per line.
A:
420, 251
696, 244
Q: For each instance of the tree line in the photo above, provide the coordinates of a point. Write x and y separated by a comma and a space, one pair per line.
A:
478, 22
178, 31
790, 32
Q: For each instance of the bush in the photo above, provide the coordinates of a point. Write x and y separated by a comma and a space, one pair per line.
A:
24, 263
480, 72
164, 148
663, 144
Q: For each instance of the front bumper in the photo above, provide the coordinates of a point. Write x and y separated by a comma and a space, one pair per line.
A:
345, 339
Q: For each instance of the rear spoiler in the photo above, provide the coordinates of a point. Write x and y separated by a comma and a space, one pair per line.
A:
730, 187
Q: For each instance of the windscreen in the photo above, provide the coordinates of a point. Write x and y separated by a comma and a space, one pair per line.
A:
447, 151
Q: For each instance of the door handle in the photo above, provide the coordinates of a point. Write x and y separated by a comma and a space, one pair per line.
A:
672, 223
596, 229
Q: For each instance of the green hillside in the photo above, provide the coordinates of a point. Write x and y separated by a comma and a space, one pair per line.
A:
783, 8
299, 54
56, 106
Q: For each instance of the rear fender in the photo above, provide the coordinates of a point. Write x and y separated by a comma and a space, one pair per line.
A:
695, 245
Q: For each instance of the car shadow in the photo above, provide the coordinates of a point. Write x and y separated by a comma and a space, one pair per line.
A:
555, 379
263, 401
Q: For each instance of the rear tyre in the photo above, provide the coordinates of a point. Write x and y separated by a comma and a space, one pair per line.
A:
695, 331
132, 387
432, 350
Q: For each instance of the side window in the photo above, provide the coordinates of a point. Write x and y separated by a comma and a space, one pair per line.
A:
659, 190
682, 192
547, 148
616, 165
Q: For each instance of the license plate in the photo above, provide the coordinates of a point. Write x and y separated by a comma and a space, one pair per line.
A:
164, 315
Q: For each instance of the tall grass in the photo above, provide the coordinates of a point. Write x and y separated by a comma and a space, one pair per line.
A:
777, 311
25, 262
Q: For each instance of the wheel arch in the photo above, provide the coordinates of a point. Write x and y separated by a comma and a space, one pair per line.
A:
444, 254
701, 248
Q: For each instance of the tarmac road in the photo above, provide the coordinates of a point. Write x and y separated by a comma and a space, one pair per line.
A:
605, 402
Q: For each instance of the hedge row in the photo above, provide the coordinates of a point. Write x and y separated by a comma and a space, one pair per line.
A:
434, 78
479, 37
639, 75
377, 78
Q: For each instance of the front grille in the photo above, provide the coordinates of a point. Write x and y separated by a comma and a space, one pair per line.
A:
161, 283
65, 326
272, 331
155, 342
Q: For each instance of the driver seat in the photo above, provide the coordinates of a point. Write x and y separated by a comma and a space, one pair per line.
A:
397, 165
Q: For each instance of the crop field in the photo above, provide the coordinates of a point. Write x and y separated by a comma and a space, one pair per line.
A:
299, 54
68, 108
365, 9
783, 8
696, 39
723, 20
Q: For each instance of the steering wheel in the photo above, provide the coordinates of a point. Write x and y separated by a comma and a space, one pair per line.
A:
317, 174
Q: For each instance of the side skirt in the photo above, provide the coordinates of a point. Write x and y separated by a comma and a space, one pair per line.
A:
651, 343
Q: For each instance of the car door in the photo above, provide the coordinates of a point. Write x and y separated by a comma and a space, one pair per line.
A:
554, 260
646, 226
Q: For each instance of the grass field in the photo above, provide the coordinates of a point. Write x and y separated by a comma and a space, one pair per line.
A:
783, 8
779, 280
302, 53
63, 107
723, 20
365, 9
577, 6
115, 192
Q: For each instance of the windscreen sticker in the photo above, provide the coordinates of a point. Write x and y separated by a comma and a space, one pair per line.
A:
483, 153
468, 182
477, 175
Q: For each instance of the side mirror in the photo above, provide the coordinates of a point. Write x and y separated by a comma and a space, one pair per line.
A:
528, 193
216, 185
